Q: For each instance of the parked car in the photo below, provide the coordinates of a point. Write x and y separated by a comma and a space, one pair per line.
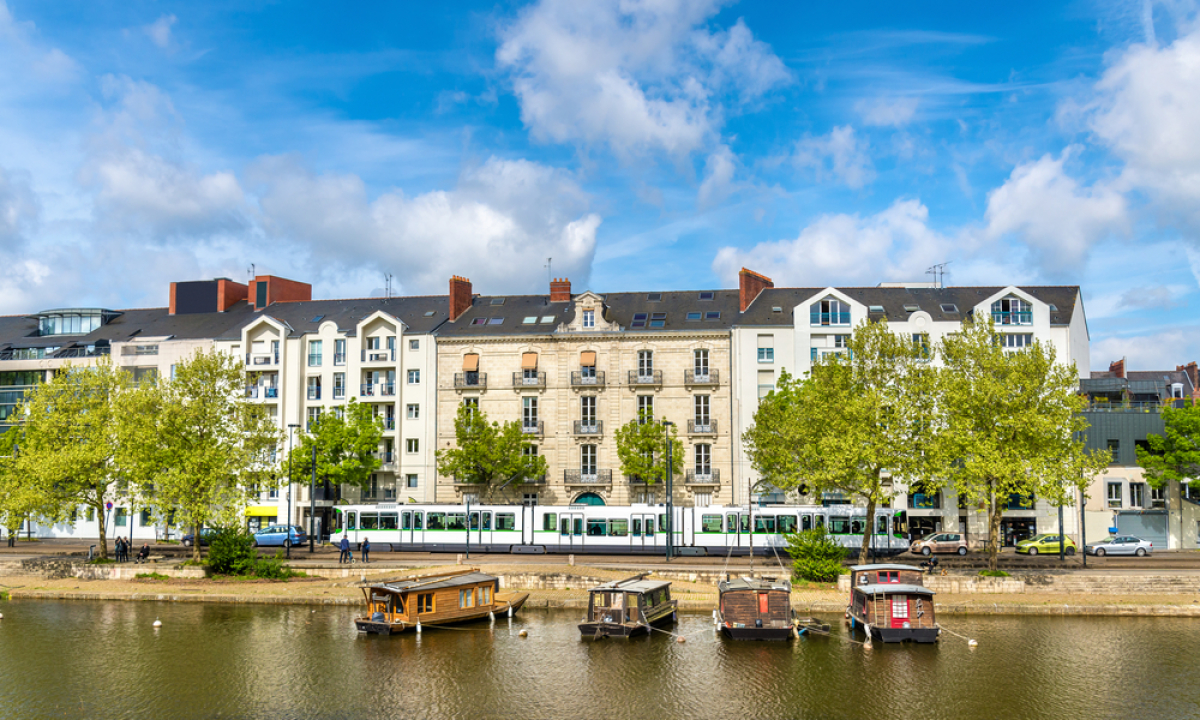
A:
1046, 543
1120, 545
205, 537
281, 535
944, 542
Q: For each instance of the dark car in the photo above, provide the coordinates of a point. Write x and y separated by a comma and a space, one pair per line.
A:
205, 537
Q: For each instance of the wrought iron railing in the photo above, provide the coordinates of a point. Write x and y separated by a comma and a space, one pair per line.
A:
648, 377
589, 476
596, 379
695, 377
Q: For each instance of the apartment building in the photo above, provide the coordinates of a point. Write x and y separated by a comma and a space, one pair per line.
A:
573, 368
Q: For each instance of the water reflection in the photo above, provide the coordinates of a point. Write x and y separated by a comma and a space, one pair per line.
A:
105, 660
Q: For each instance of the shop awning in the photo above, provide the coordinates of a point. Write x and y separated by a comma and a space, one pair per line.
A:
470, 363
588, 358
529, 361
262, 511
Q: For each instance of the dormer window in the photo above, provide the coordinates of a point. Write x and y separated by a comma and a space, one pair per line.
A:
589, 318
706, 296
1012, 311
829, 312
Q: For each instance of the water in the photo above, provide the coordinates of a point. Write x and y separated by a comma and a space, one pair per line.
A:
104, 660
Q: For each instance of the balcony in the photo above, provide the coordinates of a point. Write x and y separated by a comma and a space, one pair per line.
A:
470, 381
829, 318
252, 391
387, 461
708, 476
380, 494
589, 476
389, 423
578, 379
708, 427
593, 429
387, 389
271, 393
366, 390
650, 378
379, 355
537, 480
339, 358
533, 380
259, 359
639, 481
1024, 317
79, 352
696, 377
127, 350
534, 427
1128, 407
314, 393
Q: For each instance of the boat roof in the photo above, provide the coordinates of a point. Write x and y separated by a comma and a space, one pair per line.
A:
893, 589
745, 583
435, 583
884, 566
639, 586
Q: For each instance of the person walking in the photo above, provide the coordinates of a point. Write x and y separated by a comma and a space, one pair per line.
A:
120, 548
366, 548
345, 548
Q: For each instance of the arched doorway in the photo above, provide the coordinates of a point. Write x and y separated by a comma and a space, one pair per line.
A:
588, 498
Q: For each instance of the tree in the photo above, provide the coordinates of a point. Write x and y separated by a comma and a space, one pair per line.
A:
1175, 455
207, 449
859, 420
70, 445
642, 449
18, 497
347, 444
816, 557
491, 455
1009, 425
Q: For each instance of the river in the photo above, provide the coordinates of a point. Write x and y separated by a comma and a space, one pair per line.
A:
105, 660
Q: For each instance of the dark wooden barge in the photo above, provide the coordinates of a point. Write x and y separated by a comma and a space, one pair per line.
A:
447, 598
625, 608
756, 609
888, 602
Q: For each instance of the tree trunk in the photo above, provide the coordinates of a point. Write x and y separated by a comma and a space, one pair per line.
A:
868, 532
196, 556
993, 546
99, 508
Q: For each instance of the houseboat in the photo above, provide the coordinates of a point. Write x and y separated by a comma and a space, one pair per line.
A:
756, 609
447, 598
625, 608
888, 602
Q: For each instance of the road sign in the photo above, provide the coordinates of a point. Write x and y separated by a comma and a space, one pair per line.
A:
108, 506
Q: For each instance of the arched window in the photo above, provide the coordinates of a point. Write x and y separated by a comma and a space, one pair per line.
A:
588, 498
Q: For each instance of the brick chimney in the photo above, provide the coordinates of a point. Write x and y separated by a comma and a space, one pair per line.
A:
1117, 368
460, 296
1193, 374
205, 296
750, 284
560, 290
264, 290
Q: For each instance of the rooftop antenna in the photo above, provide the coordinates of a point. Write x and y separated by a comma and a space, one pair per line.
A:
939, 274
251, 271
387, 293
549, 278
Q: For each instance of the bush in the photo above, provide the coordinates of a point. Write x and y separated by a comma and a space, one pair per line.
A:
272, 568
151, 576
815, 556
993, 573
231, 552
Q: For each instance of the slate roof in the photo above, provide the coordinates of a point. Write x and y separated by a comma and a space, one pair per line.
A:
302, 317
130, 325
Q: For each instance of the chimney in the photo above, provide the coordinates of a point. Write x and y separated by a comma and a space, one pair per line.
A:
267, 289
560, 290
460, 296
750, 284
1193, 374
205, 296
1117, 368
230, 293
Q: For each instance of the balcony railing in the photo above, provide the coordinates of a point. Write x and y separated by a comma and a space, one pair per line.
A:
589, 476
534, 427
366, 390
652, 377
387, 460
389, 423
470, 380
78, 352
382, 494
339, 358
533, 380
595, 428
1024, 317
536, 480
696, 377
137, 350
314, 393
271, 393
711, 476
1132, 406
379, 355
267, 358
387, 389
578, 379
252, 391
829, 318
708, 427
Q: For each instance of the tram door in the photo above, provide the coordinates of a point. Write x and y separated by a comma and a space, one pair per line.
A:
642, 532
733, 530
481, 527
570, 531
687, 523
528, 519
351, 527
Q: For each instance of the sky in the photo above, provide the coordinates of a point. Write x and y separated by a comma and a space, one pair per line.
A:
625, 144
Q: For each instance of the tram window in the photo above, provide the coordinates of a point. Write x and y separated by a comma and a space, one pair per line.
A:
351, 522
387, 521
406, 520
710, 523
731, 523
649, 527
900, 524
618, 528
456, 521
637, 527
839, 526
662, 521
596, 528
549, 521
437, 521
505, 521
474, 521
578, 526
787, 524
745, 523
764, 524
856, 527
820, 520
806, 522
487, 521
418, 520
368, 521
566, 526
881, 525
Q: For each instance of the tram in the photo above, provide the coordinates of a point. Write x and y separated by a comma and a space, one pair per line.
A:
609, 529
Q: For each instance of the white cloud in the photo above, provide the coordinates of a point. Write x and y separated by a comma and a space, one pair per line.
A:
1153, 351
18, 208
159, 31
718, 177
1154, 297
840, 156
893, 112
896, 243
636, 75
1055, 217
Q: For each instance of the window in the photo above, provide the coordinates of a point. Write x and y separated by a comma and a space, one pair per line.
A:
589, 318
412, 445
414, 344
787, 524
645, 363
706, 295
496, 321
949, 308
704, 460
314, 414
766, 382
654, 297
425, 602
875, 309
314, 353
1114, 447
314, 388
466, 598
497, 301
829, 312
339, 386
587, 411
710, 523
702, 410
339, 352
479, 321
1137, 495
1012, 311
645, 409
471, 403
1158, 497
766, 348
839, 526
529, 413
411, 481
841, 341
1114, 495
530, 320
529, 499
700, 363
549, 522
506, 521
658, 320
639, 320
414, 411
547, 319
1016, 340
712, 315
900, 607
587, 460
694, 316
414, 377
920, 343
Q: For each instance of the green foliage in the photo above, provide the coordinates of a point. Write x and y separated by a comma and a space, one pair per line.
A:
993, 573
231, 551
151, 576
346, 445
491, 455
1175, 455
816, 557
101, 561
642, 449
273, 568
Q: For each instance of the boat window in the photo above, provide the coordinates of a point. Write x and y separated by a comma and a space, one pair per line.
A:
787, 524
456, 521
368, 521
649, 526
881, 525
763, 603
731, 523
437, 521
764, 524
425, 601
637, 527
466, 598
485, 595
856, 527
351, 520
549, 521
595, 528
806, 522
508, 521
474, 521
387, 521
418, 520
839, 526
487, 521
406, 520
889, 576
900, 607
618, 528
710, 523
566, 526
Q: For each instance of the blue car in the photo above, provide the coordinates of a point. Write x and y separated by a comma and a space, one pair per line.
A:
280, 535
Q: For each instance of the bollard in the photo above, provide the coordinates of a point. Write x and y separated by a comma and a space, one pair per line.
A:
91, 552
459, 562
571, 560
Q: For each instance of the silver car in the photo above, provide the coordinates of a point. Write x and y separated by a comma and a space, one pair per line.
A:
1120, 545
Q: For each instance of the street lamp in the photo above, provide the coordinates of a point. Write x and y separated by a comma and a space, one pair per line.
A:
312, 503
670, 493
288, 524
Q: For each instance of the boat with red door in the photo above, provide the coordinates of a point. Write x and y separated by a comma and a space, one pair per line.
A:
889, 602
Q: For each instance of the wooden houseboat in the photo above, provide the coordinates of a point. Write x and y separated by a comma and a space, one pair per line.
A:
756, 609
446, 598
625, 608
888, 602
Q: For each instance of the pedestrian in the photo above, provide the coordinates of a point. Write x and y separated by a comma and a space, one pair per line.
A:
365, 547
119, 547
345, 548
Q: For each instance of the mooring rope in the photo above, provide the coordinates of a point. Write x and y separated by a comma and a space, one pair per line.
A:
970, 641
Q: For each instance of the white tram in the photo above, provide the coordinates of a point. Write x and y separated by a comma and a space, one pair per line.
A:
608, 529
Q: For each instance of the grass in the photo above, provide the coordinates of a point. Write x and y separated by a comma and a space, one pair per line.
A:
101, 561
151, 576
993, 573
4, 595
192, 563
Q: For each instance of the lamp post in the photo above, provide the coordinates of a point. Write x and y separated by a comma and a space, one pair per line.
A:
288, 542
667, 424
312, 503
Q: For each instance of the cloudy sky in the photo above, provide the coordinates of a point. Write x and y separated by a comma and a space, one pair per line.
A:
641, 144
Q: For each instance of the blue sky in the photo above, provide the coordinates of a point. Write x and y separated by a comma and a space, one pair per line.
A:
640, 145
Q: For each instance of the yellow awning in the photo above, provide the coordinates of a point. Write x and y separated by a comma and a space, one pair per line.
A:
529, 361
262, 511
588, 358
470, 362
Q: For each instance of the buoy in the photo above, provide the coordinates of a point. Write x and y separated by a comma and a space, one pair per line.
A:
158, 623
524, 633
510, 610
972, 643
492, 615
715, 616
418, 626
681, 639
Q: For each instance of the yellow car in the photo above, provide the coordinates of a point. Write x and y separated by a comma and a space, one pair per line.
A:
1046, 544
